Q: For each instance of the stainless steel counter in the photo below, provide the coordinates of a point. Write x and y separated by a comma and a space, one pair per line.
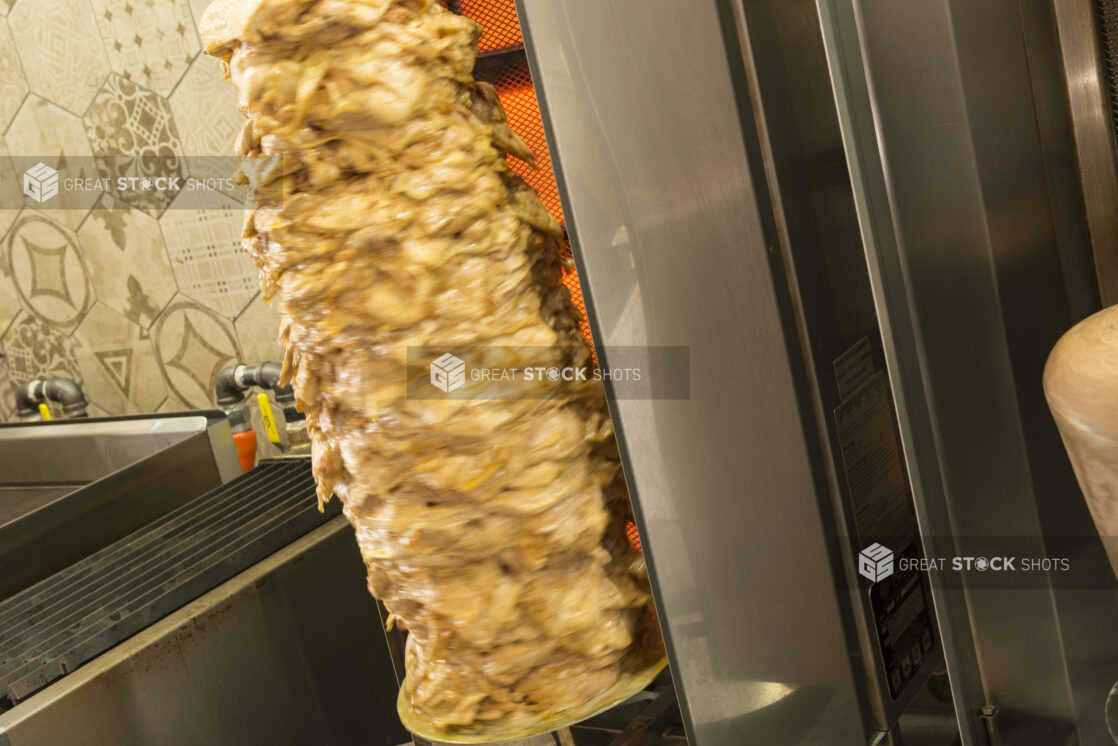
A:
68, 488
290, 651
18, 500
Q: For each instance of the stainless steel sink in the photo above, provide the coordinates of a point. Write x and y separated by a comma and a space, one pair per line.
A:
69, 488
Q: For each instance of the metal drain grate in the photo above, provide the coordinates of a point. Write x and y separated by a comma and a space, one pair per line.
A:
75, 615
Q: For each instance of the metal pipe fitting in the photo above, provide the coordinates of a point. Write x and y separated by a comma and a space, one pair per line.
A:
65, 391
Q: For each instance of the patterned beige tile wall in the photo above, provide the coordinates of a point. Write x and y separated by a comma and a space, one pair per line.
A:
141, 302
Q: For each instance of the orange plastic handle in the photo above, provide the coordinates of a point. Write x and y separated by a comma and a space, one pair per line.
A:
246, 448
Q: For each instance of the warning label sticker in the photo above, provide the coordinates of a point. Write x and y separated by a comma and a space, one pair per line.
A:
904, 624
884, 516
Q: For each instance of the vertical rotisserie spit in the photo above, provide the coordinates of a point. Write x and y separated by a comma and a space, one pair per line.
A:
383, 216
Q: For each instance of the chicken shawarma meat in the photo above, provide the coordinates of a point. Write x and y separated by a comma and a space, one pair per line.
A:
383, 216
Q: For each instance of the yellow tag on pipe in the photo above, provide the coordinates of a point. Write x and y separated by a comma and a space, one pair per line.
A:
269, 418
44, 410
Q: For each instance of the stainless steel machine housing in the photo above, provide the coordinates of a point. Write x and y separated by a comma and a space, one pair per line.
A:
771, 182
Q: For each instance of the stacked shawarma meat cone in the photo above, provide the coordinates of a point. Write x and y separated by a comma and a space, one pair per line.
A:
383, 216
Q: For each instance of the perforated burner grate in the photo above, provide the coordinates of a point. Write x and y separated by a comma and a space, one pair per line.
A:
68, 619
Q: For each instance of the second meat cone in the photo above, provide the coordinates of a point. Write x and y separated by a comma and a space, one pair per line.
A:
384, 217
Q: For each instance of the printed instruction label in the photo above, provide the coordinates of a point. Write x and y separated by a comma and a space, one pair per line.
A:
853, 368
871, 458
879, 497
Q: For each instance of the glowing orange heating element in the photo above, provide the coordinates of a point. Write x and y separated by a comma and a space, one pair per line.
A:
634, 536
518, 95
499, 24
513, 81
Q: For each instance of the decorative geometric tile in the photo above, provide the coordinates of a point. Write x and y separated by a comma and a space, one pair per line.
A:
206, 256
9, 303
127, 261
9, 296
48, 269
197, 8
43, 132
13, 86
118, 363
35, 349
135, 127
205, 108
171, 404
193, 344
149, 41
258, 332
7, 404
95, 411
62, 56
11, 192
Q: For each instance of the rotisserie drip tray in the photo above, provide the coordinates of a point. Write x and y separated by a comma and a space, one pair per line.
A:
68, 619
